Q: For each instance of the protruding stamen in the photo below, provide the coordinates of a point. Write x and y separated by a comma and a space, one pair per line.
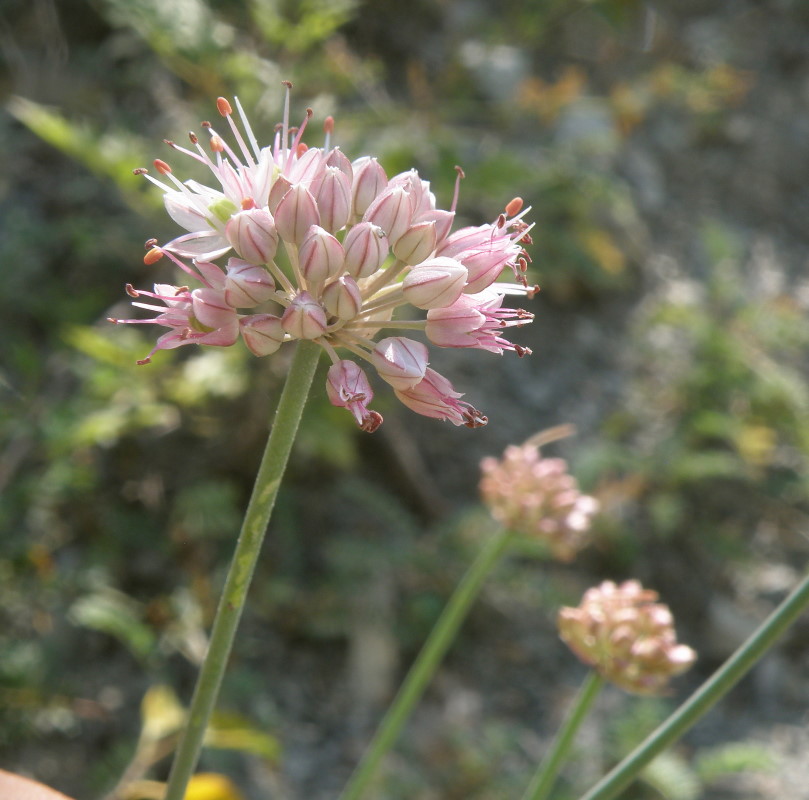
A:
149, 243
131, 290
217, 145
285, 120
328, 129
161, 166
248, 203
140, 171
251, 137
459, 176
193, 137
223, 106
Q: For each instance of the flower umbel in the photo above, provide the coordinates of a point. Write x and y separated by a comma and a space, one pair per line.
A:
627, 636
537, 497
329, 250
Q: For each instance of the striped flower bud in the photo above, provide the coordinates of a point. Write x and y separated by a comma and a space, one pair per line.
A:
262, 333
416, 244
304, 318
342, 298
296, 213
399, 361
247, 285
320, 257
252, 235
435, 283
366, 248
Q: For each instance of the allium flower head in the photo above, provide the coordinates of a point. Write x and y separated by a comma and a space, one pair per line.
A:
539, 498
332, 251
627, 636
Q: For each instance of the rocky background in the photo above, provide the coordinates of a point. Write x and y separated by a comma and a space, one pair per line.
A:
663, 147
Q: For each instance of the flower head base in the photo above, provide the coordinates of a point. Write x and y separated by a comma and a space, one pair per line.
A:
538, 498
324, 249
626, 636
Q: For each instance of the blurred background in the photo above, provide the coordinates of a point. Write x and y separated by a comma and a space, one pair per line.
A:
664, 148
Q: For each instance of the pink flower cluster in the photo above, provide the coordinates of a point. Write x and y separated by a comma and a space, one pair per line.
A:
627, 636
326, 249
538, 497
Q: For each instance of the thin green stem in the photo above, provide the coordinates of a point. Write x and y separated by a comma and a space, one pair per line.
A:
425, 665
706, 696
545, 776
248, 547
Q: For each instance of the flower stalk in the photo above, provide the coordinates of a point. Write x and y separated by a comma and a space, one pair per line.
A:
248, 547
707, 696
426, 664
544, 778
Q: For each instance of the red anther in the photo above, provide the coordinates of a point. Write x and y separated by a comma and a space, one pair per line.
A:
288, 84
526, 239
223, 107
459, 170
474, 419
217, 145
522, 351
140, 171
309, 113
153, 256
301, 149
149, 243
193, 137
522, 264
143, 361
532, 292
169, 143
514, 207
161, 166
131, 290
113, 320
371, 422
205, 124
328, 125
248, 203
278, 126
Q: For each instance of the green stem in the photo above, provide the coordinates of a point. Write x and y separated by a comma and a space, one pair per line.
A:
545, 776
425, 665
706, 696
234, 594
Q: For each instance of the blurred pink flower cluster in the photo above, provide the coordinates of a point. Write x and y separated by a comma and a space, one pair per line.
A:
627, 636
539, 498
326, 249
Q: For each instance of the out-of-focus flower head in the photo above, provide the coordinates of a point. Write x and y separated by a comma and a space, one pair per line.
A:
537, 497
327, 249
629, 638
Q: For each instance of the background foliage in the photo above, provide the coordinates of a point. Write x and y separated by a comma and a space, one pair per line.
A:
662, 148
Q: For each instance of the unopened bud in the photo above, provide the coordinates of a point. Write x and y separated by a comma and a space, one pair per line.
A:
296, 213
334, 199
366, 248
262, 333
369, 180
253, 235
435, 283
416, 244
320, 257
392, 211
246, 284
342, 298
304, 318
400, 361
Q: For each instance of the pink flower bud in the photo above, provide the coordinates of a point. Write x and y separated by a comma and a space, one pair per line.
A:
253, 236
434, 397
443, 223
347, 387
369, 180
320, 257
416, 244
337, 158
334, 199
342, 298
304, 318
366, 248
435, 283
392, 211
262, 333
210, 309
247, 285
296, 213
399, 361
